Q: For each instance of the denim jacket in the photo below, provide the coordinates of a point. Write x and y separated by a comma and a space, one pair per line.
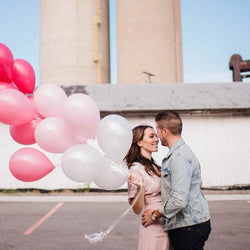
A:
183, 203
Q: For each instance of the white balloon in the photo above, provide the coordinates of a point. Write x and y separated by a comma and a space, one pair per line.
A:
49, 100
54, 136
114, 137
110, 177
81, 163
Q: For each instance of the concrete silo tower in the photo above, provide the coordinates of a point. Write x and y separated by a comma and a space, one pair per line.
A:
74, 41
149, 41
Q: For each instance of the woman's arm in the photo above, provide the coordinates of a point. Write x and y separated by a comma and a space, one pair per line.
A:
139, 204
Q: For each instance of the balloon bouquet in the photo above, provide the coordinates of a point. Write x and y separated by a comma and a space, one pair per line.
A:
59, 124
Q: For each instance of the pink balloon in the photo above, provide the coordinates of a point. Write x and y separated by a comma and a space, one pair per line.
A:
82, 115
24, 133
15, 107
49, 100
29, 164
23, 76
7, 85
54, 136
37, 114
6, 63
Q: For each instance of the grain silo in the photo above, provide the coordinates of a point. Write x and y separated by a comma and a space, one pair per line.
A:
149, 41
74, 41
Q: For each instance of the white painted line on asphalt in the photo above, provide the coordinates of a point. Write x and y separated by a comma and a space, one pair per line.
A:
44, 218
107, 198
228, 197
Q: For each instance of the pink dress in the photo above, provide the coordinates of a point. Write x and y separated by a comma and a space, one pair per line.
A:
152, 237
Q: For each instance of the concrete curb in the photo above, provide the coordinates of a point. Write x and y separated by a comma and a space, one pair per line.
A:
108, 198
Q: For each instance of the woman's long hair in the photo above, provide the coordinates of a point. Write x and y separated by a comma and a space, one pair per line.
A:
134, 153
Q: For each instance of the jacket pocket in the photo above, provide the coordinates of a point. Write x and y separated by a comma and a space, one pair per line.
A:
166, 179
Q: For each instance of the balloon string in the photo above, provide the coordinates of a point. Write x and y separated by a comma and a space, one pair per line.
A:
117, 165
95, 237
150, 181
116, 222
99, 236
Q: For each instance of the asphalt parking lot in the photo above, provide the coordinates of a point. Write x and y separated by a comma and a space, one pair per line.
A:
60, 223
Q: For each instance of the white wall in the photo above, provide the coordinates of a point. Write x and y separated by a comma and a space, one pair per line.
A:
222, 145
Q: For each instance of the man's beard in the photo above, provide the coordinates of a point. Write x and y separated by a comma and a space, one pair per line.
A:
164, 143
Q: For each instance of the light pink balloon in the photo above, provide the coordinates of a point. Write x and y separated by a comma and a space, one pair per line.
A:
15, 107
23, 76
29, 164
7, 85
6, 63
24, 133
37, 114
54, 136
82, 115
49, 100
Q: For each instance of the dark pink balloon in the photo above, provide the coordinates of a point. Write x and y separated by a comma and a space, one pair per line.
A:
7, 85
6, 63
23, 76
37, 114
29, 164
25, 133
15, 107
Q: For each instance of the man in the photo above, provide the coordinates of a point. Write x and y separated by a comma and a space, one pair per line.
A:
184, 207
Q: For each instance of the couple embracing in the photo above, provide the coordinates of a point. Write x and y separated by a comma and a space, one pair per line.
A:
174, 210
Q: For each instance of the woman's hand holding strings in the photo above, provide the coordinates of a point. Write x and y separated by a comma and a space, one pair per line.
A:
135, 180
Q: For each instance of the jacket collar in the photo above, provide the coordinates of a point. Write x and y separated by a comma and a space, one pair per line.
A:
176, 145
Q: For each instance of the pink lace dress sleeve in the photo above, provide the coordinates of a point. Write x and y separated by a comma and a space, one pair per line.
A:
137, 170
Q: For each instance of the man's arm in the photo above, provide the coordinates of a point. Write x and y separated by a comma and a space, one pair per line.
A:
181, 173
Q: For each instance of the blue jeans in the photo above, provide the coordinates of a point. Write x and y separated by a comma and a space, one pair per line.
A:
190, 237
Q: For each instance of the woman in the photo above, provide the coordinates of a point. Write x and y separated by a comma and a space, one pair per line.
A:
143, 169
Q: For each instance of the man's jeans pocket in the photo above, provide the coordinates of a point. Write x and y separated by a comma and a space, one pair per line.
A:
203, 230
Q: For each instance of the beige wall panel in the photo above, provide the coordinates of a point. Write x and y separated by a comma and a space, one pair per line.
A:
74, 43
149, 39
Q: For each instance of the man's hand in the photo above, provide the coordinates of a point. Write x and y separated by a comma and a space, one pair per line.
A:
147, 217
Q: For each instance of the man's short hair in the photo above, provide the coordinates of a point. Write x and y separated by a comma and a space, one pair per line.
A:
171, 120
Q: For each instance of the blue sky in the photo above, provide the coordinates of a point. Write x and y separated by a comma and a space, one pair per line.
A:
19, 30
211, 32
